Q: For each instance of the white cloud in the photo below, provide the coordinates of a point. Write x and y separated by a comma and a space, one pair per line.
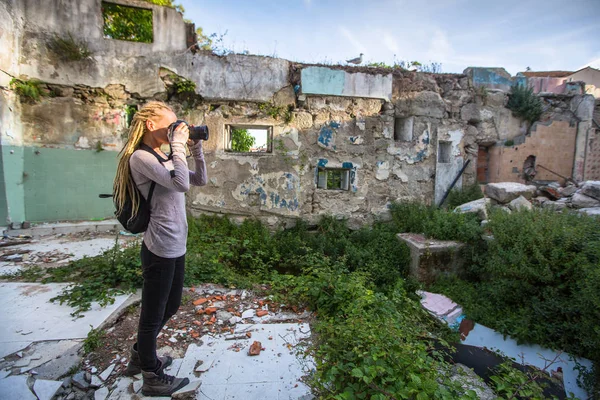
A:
390, 43
356, 44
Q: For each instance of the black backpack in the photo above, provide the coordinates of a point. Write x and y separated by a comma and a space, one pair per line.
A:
139, 222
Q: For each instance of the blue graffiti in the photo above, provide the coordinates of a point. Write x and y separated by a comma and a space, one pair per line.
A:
322, 162
296, 89
421, 155
426, 138
326, 136
334, 124
347, 165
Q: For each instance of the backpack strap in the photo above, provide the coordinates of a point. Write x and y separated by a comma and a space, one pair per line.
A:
161, 160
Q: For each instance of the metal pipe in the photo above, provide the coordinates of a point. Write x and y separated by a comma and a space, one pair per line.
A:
454, 182
557, 174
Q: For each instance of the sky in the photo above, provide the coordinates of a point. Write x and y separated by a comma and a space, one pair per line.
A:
514, 34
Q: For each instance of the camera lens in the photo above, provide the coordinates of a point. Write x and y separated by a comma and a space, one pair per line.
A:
199, 132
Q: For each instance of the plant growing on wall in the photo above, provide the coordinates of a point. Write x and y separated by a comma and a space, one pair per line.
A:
185, 86
68, 48
127, 23
241, 140
524, 103
28, 90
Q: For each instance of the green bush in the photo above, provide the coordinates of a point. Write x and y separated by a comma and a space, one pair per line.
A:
436, 223
368, 345
524, 103
457, 197
538, 280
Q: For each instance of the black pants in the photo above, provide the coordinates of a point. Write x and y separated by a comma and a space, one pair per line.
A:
161, 297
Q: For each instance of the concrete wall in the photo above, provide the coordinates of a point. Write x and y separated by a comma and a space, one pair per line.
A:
591, 77
337, 82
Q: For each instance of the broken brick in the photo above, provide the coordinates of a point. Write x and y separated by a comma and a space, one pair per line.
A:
213, 319
198, 323
255, 349
210, 310
200, 301
201, 311
249, 334
261, 313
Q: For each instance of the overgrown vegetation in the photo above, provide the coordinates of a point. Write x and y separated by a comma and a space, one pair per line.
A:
432, 67
99, 278
68, 48
456, 197
184, 85
538, 280
278, 112
29, 90
524, 103
127, 23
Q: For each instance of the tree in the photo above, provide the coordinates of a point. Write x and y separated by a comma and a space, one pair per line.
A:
204, 42
132, 23
241, 140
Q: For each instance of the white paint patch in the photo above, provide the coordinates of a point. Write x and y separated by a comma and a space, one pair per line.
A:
383, 170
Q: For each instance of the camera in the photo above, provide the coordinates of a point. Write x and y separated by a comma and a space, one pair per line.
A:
196, 132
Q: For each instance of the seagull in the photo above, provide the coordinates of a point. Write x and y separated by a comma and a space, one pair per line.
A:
357, 60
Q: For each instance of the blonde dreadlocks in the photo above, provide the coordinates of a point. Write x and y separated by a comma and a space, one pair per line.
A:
124, 184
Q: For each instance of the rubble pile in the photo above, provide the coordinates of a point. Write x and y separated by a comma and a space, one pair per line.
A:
511, 196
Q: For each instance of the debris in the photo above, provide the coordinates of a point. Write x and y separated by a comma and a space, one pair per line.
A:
261, 313
504, 192
580, 200
210, 310
106, 373
520, 203
248, 314
79, 380
591, 189
255, 349
188, 392
200, 301
478, 207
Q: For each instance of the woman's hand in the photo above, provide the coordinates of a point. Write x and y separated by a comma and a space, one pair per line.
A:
181, 134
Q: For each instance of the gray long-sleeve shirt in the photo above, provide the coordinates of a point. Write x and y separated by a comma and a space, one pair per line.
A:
166, 235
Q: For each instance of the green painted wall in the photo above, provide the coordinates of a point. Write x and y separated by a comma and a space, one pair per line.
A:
3, 204
63, 184
12, 165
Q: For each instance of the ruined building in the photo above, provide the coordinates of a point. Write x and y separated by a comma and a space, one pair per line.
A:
334, 140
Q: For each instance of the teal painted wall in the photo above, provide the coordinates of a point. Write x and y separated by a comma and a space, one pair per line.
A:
63, 184
321, 80
12, 165
3, 204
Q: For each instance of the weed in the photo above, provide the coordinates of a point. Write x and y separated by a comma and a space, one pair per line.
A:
509, 143
99, 147
277, 112
185, 86
68, 48
93, 340
524, 103
30, 274
29, 91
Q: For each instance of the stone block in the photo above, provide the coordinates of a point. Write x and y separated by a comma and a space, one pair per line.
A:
471, 113
594, 211
478, 207
580, 200
520, 203
432, 258
591, 189
425, 104
505, 192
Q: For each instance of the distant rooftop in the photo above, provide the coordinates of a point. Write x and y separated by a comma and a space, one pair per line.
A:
547, 74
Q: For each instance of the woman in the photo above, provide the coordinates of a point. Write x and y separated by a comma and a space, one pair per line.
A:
164, 244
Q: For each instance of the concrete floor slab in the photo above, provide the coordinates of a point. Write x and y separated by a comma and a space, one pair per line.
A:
15, 387
38, 319
482, 336
275, 373
44, 389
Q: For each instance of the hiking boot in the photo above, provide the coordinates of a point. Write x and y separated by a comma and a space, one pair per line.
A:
160, 384
134, 366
